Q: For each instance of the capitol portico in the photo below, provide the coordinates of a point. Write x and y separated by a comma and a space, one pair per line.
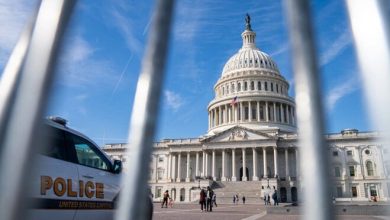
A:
251, 145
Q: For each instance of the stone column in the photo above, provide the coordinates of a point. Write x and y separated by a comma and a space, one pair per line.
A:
258, 111
287, 165
292, 116
155, 167
234, 178
275, 119
225, 120
213, 166
244, 177
220, 115
223, 177
173, 167
203, 164
209, 120
207, 165
249, 111
276, 161
297, 162
241, 112
178, 179
266, 112
288, 114
265, 162
229, 118
188, 167
169, 166
281, 113
255, 177
197, 164
188, 195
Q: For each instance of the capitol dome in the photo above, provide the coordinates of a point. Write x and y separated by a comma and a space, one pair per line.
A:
251, 92
249, 57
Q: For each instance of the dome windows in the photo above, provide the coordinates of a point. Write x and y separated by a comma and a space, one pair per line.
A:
252, 85
259, 85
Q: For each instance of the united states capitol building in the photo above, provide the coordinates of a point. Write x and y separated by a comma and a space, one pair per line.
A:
251, 145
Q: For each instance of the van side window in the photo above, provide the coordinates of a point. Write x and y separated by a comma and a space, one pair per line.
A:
87, 154
55, 143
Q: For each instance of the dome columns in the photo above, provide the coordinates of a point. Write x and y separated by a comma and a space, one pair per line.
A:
252, 112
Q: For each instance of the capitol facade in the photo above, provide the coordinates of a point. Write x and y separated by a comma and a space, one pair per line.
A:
251, 146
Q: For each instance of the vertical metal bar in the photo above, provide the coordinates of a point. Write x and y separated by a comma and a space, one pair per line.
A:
371, 31
11, 75
315, 180
144, 116
25, 112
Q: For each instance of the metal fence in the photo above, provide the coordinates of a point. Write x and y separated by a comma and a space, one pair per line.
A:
27, 78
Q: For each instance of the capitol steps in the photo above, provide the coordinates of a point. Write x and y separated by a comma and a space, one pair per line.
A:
226, 190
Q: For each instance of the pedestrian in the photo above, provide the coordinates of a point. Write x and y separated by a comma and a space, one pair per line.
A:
243, 199
202, 200
165, 199
214, 200
268, 200
209, 197
265, 199
275, 197
234, 199
170, 204
237, 199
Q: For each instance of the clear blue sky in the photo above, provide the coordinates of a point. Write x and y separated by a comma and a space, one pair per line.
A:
104, 46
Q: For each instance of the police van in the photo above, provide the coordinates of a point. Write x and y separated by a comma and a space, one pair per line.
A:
74, 179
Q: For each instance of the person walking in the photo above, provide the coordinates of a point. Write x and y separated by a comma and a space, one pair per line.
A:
209, 197
265, 199
234, 199
214, 200
275, 197
237, 199
243, 199
165, 199
202, 200
268, 200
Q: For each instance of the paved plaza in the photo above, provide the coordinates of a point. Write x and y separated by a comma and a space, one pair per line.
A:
233, 212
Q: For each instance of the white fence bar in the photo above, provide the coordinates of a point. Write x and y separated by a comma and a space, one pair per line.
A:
370, 27
144, 117
24, 113
314, 163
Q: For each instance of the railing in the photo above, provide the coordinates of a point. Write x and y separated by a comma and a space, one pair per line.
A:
23, 99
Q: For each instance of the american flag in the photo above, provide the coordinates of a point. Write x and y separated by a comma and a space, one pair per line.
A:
234, 101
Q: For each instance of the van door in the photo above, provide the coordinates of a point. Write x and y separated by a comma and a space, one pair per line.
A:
99, 184
55, 183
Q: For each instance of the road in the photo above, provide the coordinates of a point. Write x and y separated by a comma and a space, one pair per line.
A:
233, 212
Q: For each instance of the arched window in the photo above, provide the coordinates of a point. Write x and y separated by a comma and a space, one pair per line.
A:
370, 168
245, 86
258, 85
238, 87
232, 88
272, 87
252, 85
266, 86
